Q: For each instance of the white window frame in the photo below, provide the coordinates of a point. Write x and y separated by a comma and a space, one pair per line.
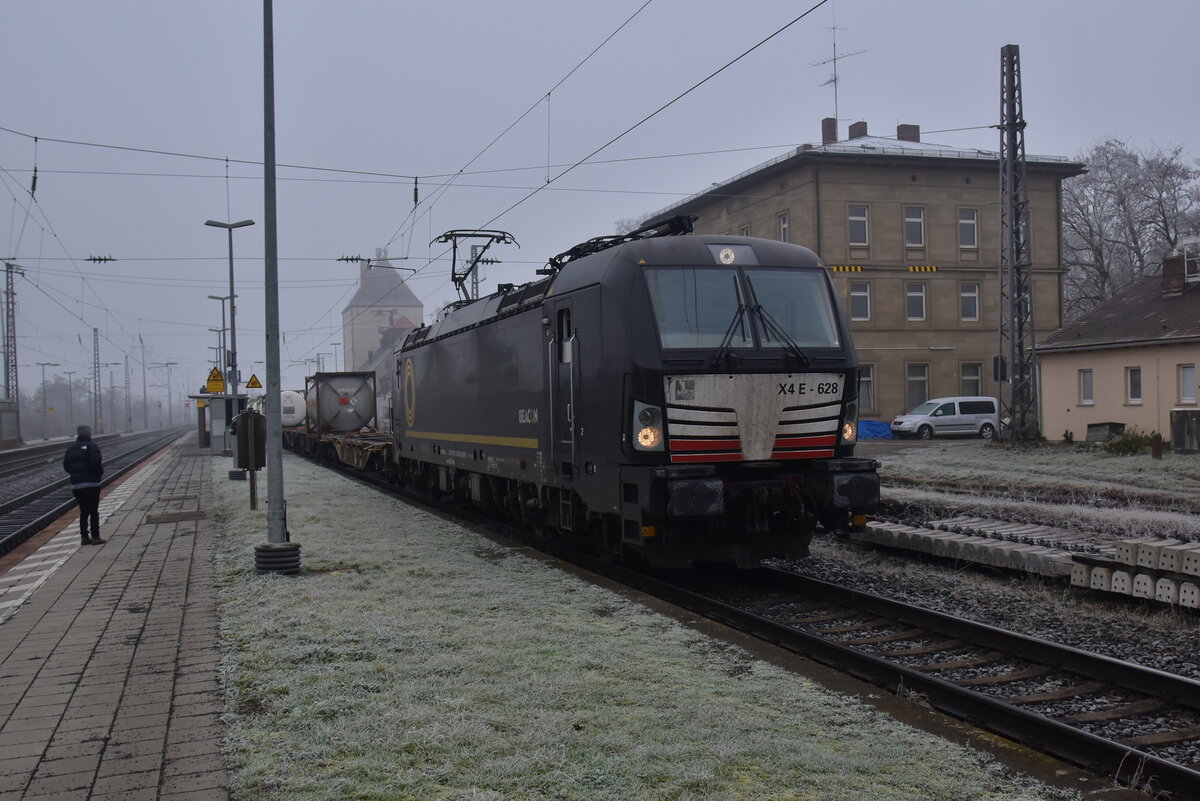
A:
785, 227
914, 215
864, 218
866, 388
1187, 384
1133, 386
916, 374
1087, 387
745, 230
964, 375
864, 295
968, 290
914, 289
968, 220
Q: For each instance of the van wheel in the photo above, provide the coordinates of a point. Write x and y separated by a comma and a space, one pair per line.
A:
987, 431
925, 432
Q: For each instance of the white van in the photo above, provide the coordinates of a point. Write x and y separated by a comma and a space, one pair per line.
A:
973, 416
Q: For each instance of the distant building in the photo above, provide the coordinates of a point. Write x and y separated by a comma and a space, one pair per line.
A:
381, 312
910, 232
1131, 360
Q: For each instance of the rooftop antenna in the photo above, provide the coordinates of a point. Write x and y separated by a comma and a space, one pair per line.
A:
834, 61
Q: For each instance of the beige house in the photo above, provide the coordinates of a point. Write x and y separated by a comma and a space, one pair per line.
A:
910, 232
1131, 360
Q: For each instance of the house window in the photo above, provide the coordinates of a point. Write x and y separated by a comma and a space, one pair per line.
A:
970, 376
968, 294
914, 226
914, 300
866, 388
745, 230
1133, 385
1086, 396
858, 226
968, 228
860, 300
1187, 383
918, 384
784, 228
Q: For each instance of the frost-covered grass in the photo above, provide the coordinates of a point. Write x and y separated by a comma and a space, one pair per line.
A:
1067, 485
413, 659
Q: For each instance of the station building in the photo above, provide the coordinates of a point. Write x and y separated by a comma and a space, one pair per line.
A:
910, 232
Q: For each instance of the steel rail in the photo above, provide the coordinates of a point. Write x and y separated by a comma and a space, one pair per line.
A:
29, 514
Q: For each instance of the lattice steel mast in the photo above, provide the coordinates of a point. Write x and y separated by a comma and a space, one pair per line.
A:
1017, 365
11, 391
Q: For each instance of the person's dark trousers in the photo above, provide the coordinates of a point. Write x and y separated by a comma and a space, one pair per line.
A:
89, 512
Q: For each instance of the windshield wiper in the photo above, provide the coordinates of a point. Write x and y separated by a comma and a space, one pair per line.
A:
772, 326
727, 342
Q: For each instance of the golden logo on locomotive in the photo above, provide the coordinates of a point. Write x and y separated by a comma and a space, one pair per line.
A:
410, 393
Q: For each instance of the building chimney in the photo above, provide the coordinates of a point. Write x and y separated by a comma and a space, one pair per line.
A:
1172, 276
908, 133
828, 131
858, 130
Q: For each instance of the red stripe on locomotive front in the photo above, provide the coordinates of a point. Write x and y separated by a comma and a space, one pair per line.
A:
802, 455
706, 457
806, 442
706, 444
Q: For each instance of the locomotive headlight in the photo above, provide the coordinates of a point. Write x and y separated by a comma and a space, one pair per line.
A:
647, 427
850, 424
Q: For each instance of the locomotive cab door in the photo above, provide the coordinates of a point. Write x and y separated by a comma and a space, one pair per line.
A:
564, 388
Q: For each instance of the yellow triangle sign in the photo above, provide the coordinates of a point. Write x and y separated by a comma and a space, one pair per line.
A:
253, 383
216, 381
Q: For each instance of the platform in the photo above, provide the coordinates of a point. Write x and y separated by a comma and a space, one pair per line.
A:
109, 685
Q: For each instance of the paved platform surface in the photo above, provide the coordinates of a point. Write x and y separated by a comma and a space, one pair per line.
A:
109, 659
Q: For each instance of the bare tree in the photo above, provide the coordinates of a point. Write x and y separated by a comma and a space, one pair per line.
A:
1122, 217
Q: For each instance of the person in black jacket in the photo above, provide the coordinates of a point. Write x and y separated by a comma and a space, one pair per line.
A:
85, 466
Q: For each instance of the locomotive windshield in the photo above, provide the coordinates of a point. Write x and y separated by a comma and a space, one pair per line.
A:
712, 307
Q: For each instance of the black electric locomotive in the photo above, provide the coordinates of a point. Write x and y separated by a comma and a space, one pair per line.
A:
676, 397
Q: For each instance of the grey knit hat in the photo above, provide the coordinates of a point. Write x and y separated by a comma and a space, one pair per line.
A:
84, 431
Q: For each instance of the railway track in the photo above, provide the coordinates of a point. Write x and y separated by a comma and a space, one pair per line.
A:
1055, 699
23, 516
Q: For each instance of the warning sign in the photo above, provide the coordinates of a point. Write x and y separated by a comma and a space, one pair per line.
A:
216, 382
253, 383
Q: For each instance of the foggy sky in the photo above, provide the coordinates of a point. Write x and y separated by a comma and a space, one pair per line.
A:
370, 94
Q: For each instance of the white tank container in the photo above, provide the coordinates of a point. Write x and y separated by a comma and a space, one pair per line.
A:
291, 408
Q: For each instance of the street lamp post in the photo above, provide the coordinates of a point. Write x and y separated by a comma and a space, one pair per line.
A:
233, 376
45, 410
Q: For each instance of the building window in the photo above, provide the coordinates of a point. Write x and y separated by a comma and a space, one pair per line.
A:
914, 300
968, 228
745, 230
1086, 396
860, 300
858, 226
1187, 383
968, 295
918, 384
785, 234
866, 388
1133, 385
914, 227
970, 375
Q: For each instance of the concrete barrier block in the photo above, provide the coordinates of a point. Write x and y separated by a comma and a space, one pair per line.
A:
1148, 552
1127, 550
1102, 578
1167, 591
1122, 582
1189, 594
1171, 557
1143, 586
1191, 562
1081, 575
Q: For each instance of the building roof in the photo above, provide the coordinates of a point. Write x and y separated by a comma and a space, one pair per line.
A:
881, 150
380, 284
1142, 315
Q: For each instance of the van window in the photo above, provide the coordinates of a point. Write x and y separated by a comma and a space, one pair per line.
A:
945, 409
978, 407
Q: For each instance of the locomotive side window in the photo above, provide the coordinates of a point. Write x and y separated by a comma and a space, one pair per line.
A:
566, 335
798, 300
696, 308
